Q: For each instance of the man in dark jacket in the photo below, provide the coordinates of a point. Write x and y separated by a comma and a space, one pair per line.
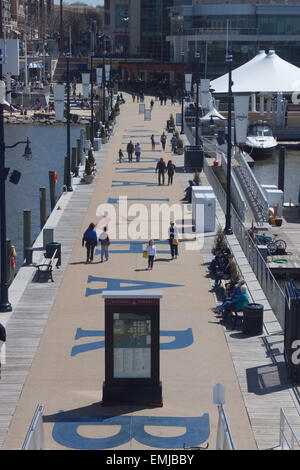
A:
161, 169
130, 149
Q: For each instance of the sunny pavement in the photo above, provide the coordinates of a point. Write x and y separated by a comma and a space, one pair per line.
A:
74, 383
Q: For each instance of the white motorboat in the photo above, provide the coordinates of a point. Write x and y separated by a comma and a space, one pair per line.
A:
260, 141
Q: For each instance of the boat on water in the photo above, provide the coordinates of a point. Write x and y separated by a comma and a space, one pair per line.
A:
260, 141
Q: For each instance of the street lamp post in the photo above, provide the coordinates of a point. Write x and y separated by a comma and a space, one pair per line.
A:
103, 84
5, 305
92, 54
197, 96
92, 102
228, 229
69, 182
182, 93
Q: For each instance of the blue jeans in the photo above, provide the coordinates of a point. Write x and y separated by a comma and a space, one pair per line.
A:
229, 307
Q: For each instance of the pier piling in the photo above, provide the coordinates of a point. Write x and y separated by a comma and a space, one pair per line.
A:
52, 189
27, 242
43, 207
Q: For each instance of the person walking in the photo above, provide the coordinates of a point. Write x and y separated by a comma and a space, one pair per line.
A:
130, 149
121, 156
105, 242
174, 143
153, 142
2, 341
137, 151
161, 169
173, 239
152, 254
170, 170
163, 140
90, 240
151, 104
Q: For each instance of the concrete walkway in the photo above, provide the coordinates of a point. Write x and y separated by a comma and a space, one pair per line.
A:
68, 369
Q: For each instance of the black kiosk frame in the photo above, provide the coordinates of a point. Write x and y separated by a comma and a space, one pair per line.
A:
132, 347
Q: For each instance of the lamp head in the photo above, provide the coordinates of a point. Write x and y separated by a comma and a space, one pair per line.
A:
27, 152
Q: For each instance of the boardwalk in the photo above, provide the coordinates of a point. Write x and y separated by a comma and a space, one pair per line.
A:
60, 326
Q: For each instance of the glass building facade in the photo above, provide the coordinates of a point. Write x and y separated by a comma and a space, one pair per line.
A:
250, 27
155, 26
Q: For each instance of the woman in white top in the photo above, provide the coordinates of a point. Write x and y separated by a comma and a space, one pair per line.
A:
152, 253
105, 242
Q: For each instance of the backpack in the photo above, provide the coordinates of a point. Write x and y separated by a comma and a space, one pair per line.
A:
2, 333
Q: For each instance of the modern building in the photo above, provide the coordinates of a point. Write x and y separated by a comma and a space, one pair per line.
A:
211, 27
138, 28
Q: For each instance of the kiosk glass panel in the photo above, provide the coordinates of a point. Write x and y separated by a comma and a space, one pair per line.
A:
131, 345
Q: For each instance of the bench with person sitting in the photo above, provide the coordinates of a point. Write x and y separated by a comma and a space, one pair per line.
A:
236, 305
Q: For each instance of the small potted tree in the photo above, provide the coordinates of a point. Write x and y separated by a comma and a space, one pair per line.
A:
88, 173
103, 136
117, 109
197, 178
91, 158
179, 146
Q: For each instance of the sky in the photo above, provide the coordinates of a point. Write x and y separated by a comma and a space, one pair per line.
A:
88, 2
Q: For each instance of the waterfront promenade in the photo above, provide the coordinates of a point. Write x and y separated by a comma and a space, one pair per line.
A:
67, 371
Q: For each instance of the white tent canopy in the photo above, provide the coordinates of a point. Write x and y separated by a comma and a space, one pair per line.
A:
213, 113
266, 73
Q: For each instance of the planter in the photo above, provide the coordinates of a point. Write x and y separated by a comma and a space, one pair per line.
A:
179, 151
104, 140
88, 178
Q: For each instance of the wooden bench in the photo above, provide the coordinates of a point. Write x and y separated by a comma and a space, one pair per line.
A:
45, 269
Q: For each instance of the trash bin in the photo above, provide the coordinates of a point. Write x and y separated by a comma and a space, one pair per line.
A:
253, 319
193, 158
50, 249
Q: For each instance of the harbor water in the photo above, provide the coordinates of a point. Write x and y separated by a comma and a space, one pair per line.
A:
49, 147
266, 172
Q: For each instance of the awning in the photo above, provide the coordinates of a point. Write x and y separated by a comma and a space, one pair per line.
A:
266, 73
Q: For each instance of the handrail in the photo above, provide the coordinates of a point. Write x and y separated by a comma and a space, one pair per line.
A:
283, 438
254, 184
224, 437
235, 190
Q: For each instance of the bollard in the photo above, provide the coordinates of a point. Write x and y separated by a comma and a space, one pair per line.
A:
8, 248
74, 158
52, 190
43, 207
281, 167
26, 230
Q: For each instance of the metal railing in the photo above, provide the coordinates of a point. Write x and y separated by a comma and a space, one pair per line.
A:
34, 439
224, 437
252, 188
239, 201
287, 437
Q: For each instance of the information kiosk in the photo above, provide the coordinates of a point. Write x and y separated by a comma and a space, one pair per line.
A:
132, 348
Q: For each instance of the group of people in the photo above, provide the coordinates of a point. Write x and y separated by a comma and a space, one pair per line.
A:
90, 241
220, 268
162, 169
235, 302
